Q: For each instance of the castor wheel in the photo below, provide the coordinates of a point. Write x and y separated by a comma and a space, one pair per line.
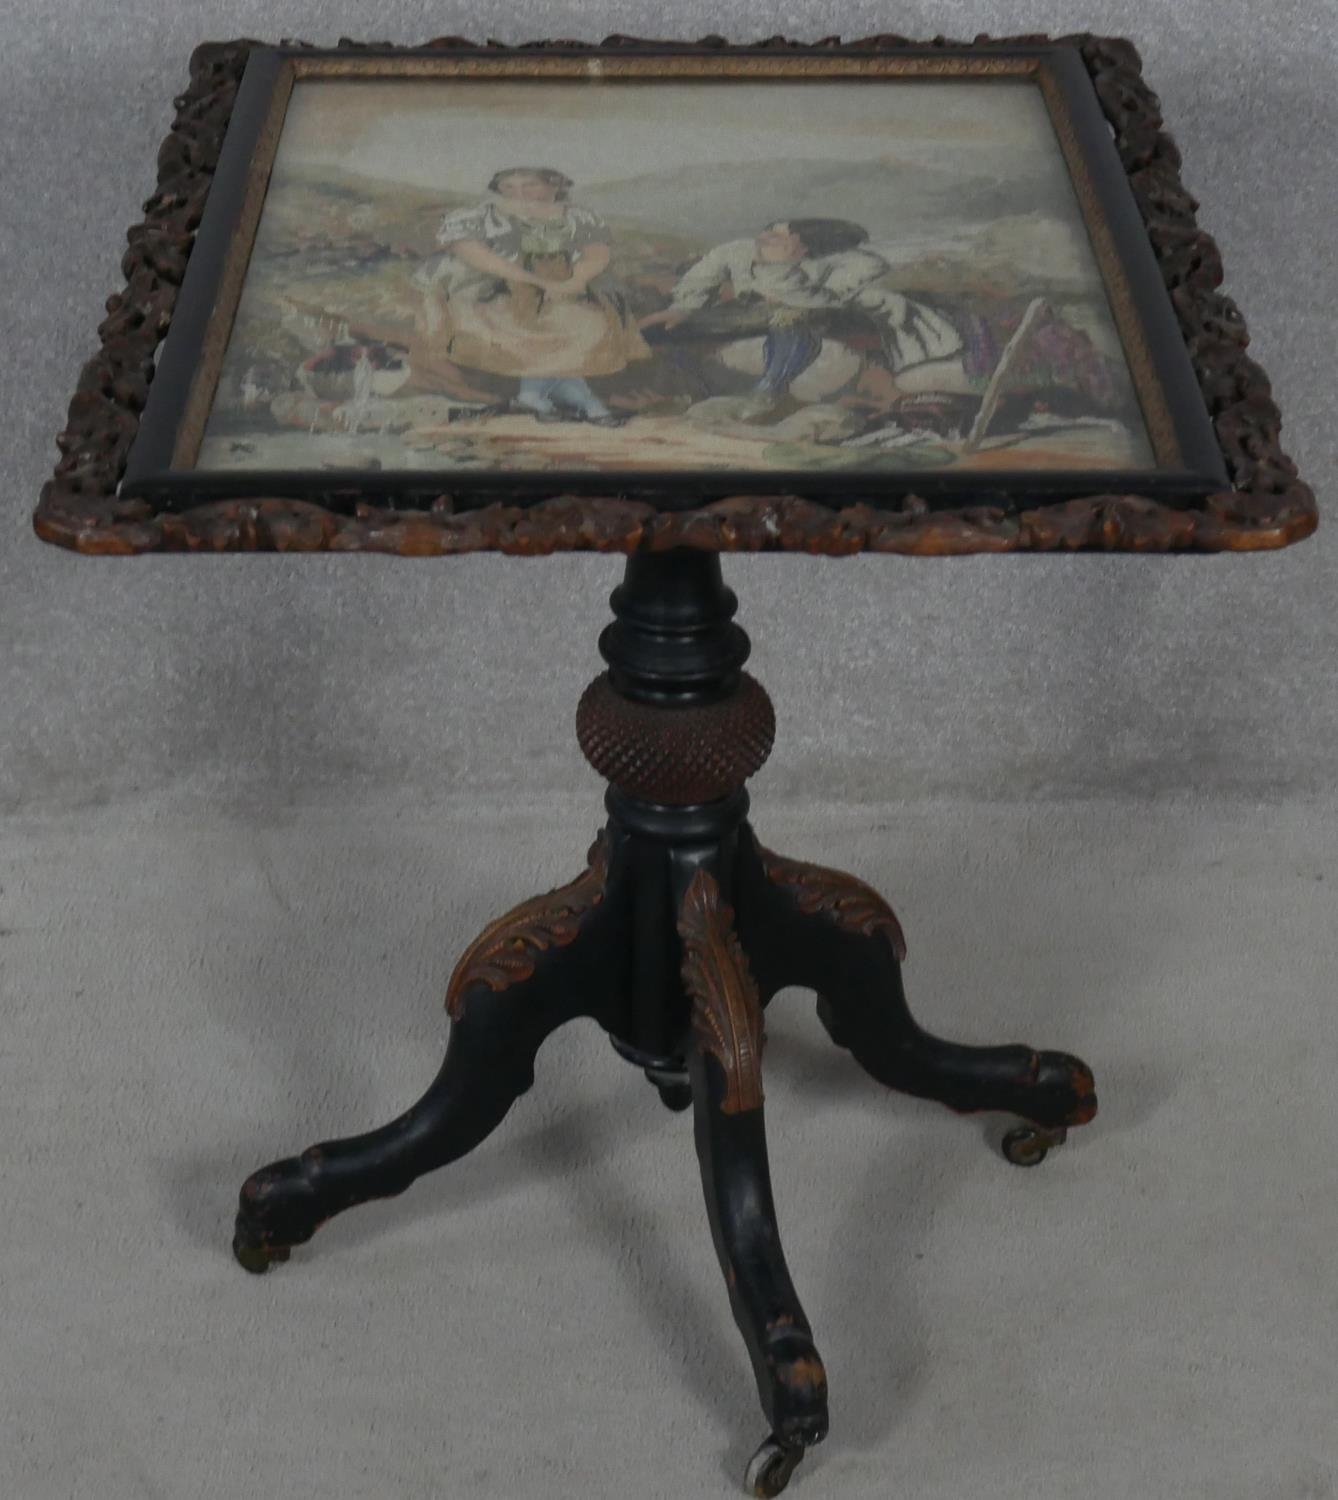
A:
1029, 1145
676, 1096
769, 1469
256, 1258
672, 1085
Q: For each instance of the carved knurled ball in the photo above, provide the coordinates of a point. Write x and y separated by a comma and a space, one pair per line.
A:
676, 756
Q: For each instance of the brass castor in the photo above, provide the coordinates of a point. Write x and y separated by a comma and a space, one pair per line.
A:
1029, 1145
770, 1468
256, 1258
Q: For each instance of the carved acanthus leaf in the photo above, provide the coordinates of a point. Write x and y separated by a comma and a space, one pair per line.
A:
849, 903
726, 1008
506, 952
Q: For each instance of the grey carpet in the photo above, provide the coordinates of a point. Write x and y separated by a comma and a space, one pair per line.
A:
252, 807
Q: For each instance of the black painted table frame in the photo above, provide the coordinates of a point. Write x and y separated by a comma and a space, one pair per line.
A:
674, 939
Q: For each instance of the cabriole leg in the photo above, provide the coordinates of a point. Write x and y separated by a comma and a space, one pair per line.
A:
825, 930
725, 1066
540, 965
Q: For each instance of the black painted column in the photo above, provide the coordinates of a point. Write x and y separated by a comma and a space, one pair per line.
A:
676, 727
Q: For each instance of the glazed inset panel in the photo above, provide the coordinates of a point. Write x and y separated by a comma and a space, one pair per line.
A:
889, 275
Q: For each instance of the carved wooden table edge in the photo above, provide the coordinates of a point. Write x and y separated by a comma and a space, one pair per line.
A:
1268, 506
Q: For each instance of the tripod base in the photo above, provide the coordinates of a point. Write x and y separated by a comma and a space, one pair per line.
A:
675, 938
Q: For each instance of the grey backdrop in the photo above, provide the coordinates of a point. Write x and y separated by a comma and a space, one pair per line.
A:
253, 806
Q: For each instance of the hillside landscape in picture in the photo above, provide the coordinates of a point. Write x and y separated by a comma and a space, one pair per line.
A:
556, 276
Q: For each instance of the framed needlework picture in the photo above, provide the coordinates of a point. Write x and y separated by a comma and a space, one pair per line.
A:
672, 273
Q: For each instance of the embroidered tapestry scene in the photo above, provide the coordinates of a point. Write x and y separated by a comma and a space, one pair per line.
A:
630, 277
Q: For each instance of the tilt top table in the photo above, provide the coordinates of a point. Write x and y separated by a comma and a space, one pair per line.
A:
917, 299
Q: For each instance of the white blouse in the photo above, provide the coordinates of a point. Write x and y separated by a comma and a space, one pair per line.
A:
912, 333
